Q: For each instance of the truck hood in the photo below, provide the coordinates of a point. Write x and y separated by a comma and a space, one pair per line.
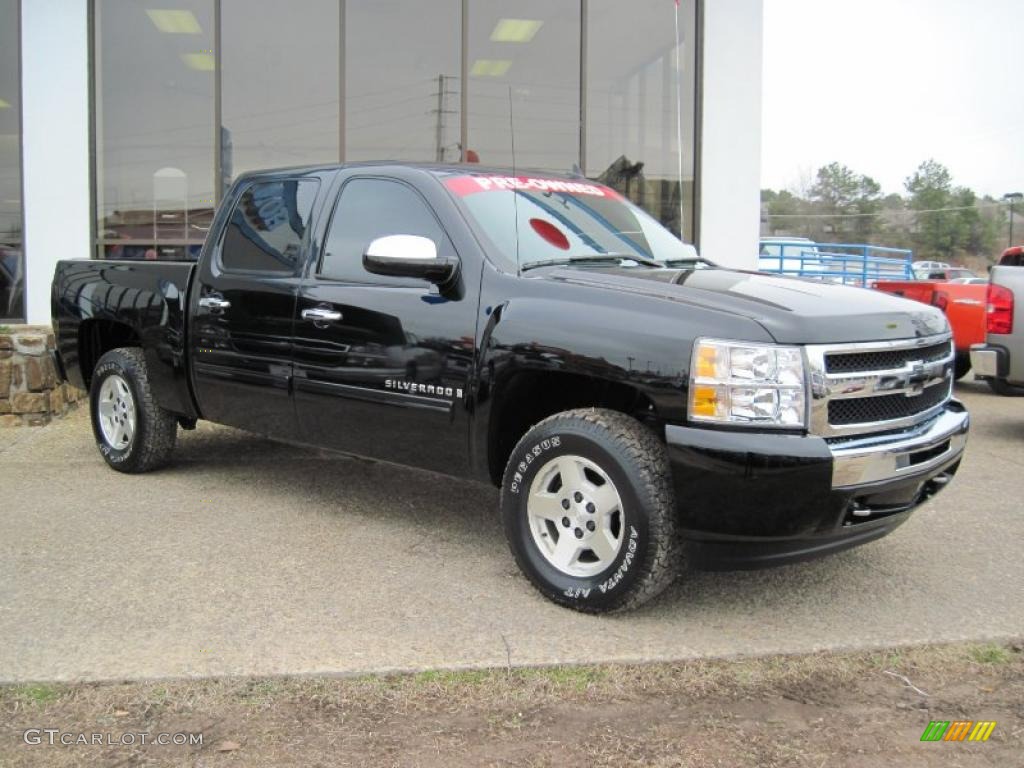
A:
792, 310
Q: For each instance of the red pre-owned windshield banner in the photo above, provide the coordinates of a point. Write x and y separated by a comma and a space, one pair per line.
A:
468, 185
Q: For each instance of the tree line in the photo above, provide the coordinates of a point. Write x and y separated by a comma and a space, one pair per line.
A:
935, 218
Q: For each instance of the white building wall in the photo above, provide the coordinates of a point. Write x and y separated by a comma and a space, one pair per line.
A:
55, 142
730, 151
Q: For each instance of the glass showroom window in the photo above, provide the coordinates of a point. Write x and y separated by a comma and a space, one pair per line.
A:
401, 80
635, 74
279, 84
524, 83
154, 80
12, 262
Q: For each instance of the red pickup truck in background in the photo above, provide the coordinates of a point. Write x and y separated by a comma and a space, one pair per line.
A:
963, 303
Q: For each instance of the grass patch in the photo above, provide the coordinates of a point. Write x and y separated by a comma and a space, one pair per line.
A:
578, 678
892, 660
159, 695
261, 694
567, 677
40, 695
989, 654
452, 678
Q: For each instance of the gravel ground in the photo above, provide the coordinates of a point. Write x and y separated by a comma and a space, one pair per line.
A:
248, 557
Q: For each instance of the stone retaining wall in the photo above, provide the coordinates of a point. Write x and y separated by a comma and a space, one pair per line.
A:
30, 392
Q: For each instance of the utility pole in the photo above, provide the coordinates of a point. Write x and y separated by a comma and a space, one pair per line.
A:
1011, 197
439, 138
439, 132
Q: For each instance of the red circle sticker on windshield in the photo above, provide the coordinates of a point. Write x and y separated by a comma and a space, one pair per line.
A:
551, 233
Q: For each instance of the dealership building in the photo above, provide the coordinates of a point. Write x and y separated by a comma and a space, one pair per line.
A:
122, 122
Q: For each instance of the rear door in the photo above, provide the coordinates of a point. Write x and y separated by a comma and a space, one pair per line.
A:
243, 305
382, 364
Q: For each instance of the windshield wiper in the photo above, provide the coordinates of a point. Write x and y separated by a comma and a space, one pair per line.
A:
690, 260
597, 258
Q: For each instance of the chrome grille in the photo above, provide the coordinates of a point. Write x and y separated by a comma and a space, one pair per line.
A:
873, 387
882, 360
885, 407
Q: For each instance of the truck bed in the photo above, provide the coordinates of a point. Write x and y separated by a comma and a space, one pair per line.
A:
150, 298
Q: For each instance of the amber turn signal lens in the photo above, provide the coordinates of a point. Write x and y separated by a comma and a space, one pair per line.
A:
707, 357
705, 401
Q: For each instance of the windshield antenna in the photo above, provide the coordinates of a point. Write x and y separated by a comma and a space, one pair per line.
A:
515, 192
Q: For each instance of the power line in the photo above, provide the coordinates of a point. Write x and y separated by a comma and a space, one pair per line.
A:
881, 213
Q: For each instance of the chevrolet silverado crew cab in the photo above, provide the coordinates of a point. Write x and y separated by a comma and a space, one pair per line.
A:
636, 405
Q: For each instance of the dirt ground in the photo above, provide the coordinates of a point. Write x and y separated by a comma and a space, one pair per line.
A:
863, 709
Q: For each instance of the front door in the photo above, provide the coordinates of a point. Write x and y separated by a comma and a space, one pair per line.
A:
381, 363
243, 306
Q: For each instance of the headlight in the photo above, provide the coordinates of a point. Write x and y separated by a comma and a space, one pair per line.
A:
734, 382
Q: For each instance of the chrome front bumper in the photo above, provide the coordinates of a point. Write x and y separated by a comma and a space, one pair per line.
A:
920, 451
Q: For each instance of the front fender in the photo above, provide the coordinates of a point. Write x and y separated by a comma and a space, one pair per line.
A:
605, 336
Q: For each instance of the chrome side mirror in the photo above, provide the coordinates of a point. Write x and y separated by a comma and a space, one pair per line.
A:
409, 256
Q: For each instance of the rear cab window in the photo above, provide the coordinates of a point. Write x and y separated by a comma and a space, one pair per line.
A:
268, 226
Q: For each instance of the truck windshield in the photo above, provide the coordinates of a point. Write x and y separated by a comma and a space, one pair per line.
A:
561, 220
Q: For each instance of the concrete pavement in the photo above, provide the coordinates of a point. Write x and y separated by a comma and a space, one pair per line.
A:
253, 558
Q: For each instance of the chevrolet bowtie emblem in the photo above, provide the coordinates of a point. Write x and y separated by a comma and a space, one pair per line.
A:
916, 378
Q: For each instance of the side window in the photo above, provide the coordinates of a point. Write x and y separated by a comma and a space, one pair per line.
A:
267, 226
368, 209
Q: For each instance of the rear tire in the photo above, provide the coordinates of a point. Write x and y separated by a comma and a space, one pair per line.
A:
608, 476
1004, 388
132, 432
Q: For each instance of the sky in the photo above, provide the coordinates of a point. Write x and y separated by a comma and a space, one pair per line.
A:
882, 85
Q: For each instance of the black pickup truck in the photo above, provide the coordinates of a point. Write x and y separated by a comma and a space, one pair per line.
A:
637, 405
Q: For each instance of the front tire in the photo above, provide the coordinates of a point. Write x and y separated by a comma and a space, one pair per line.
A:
589, 511
132, 432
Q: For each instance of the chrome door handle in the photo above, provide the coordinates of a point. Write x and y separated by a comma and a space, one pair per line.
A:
214, 302
320, 315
